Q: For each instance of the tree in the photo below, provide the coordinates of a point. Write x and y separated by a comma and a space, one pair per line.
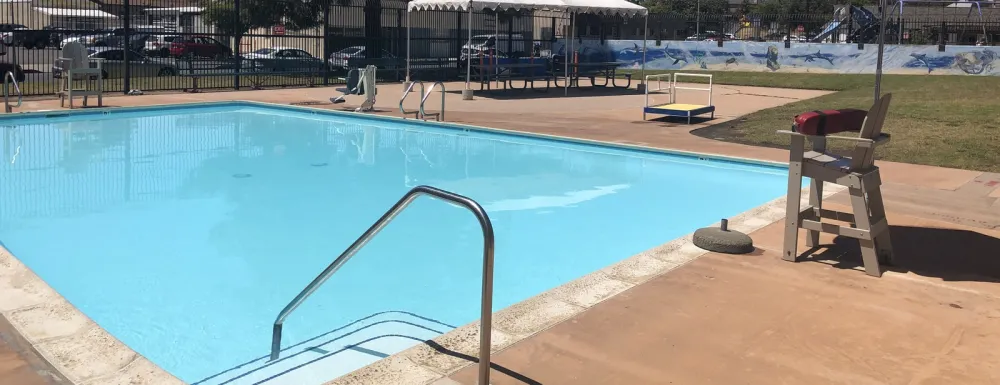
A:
255, 14
687, 7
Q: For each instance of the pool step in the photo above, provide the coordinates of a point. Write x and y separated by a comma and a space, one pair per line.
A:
328, 356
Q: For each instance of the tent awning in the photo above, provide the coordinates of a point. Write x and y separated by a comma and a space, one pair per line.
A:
612, 7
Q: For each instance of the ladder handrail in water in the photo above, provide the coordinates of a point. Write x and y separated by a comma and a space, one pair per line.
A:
9, 78
406, 92
439, 115
486, 316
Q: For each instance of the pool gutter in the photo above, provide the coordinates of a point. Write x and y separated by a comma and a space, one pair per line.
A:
86, 354
69, 341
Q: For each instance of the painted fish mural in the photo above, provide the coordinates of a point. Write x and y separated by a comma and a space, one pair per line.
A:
799, 57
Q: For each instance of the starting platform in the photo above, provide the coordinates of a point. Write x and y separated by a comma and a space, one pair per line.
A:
673, 108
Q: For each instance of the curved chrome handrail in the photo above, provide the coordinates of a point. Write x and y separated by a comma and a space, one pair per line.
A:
9, 78
416, 114
486, 316
438, 115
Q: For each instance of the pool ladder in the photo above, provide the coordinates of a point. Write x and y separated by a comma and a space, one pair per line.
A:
8, 79
420, 113
486, 309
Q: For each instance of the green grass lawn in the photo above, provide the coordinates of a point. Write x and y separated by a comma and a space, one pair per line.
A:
949, 121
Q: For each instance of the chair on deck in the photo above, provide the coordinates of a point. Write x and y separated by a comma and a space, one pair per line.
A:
858, 173
360, 82
76, 67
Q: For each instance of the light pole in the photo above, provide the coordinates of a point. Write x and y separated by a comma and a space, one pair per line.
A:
697, 18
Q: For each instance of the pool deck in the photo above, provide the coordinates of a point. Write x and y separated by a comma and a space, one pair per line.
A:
933, 318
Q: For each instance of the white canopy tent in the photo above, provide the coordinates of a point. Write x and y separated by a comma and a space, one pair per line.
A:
606, 7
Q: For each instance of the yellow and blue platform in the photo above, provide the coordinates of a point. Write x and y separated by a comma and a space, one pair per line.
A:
673, 108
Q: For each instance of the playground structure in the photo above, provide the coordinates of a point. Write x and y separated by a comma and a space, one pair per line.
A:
672, 108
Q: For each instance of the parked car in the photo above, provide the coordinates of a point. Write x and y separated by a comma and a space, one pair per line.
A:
199, 46
338, 60
103, 35
503, 42
137, 42
13, 68
284, 59
113, 65
159, 46
21, 35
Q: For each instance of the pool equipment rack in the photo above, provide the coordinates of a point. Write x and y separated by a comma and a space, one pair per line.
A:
673, 108
420, 113
486, 315
8, 79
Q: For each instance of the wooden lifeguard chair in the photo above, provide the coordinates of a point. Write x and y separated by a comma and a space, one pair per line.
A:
858, 173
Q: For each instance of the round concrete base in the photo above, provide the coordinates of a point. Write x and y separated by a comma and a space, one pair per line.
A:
466, 94
723, 241
406, 85
640, 87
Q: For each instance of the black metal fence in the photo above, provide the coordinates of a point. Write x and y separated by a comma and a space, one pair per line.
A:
153, 45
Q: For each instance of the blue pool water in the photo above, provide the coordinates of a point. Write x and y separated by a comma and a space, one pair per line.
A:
184, 231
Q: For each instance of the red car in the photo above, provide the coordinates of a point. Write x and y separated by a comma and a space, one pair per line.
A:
199, 46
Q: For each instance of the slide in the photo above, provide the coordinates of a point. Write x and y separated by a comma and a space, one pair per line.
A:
832, 27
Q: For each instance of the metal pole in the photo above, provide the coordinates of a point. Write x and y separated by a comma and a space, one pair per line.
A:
126, 82
407, 46
697, 18
468, 56
10, 35
645, 36
881, 47
496, 43
569, 49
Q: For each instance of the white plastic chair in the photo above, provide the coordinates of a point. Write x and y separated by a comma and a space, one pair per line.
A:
78, 67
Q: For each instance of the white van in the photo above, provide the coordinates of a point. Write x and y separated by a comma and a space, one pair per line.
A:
481, 43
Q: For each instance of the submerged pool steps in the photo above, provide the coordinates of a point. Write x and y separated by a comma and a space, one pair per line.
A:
486, 311
341, 350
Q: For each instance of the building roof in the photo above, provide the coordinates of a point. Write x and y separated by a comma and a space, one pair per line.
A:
94, 13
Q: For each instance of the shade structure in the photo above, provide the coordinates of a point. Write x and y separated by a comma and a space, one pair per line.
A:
573, 7
609, 7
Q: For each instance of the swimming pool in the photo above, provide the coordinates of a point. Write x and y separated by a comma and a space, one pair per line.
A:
184, 230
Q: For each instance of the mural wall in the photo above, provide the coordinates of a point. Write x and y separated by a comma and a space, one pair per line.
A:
801, 57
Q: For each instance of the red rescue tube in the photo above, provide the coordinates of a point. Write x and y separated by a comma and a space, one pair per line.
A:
824, 122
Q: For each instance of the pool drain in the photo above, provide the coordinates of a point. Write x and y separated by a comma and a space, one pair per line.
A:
241, 176
318, 164
723, 240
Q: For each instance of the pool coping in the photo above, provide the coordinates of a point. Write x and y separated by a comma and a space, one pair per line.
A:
86, 354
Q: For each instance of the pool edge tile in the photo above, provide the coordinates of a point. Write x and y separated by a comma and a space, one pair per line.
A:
617, 278
69, 341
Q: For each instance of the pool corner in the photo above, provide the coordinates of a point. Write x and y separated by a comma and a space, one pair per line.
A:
70, 342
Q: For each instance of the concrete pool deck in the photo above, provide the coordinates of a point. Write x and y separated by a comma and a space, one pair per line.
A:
759, 317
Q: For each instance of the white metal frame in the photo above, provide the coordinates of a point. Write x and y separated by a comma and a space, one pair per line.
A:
659, 87
674, 87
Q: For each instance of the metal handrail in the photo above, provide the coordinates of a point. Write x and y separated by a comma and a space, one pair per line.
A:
486, 316
7, 79
416, 114
438, 115
659, 85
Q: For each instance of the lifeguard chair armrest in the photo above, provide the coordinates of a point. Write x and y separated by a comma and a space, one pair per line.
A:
881, 139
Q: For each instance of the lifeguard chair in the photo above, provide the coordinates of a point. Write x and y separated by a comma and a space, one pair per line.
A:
857, 172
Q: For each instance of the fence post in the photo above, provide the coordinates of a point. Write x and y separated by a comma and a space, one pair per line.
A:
127, 45
942, 31
326, 47
458, 43
237, 55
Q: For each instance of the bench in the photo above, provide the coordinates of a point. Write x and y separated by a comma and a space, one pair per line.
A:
257, 77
